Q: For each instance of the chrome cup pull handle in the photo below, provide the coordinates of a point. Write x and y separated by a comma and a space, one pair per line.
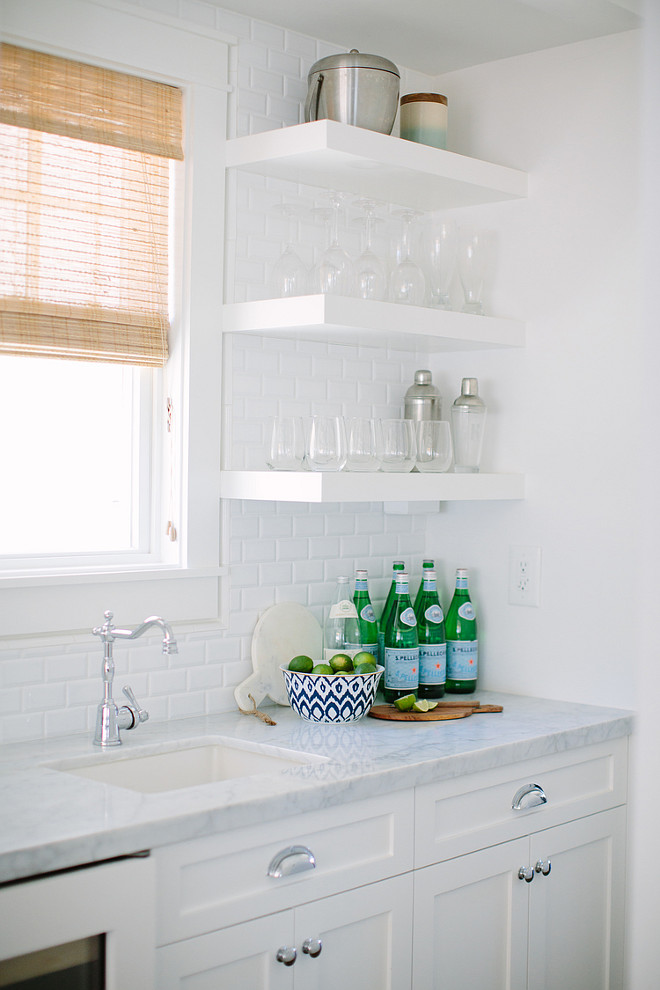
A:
528, 796
294, 859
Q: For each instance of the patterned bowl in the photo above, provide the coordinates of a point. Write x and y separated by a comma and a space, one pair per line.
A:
331, 697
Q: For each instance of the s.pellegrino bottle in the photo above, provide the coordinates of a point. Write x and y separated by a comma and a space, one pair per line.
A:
341, 633
365, 614
427, 565
398, 565
401, 674
462, 644
432, 642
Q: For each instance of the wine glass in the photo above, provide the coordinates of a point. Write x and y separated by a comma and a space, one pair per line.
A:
333, 272
472, 269
326, 445
289, 276
370, 275
440, 249
407, 281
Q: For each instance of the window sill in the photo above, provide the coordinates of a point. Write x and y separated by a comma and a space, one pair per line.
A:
54, 603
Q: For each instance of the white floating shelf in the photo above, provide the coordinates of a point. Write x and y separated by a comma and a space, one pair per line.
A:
341, 486
342, 320
337, 156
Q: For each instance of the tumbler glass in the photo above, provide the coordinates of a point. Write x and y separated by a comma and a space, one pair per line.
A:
363, 446
398, 445
326, 444
287, 444
434, 446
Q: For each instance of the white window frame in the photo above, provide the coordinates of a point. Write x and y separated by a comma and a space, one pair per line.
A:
185, 580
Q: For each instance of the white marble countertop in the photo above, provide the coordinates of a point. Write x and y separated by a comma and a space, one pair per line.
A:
51, 819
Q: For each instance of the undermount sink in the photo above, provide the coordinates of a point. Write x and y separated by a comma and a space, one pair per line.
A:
204, 763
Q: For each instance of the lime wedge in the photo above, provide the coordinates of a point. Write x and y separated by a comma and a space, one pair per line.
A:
422, 706
406, 703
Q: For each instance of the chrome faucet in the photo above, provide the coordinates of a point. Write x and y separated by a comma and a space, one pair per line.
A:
109, 718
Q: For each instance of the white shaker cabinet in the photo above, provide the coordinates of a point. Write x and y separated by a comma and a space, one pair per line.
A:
480, 925
506, 879
360, 938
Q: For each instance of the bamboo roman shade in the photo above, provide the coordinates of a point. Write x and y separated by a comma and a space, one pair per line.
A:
84, 209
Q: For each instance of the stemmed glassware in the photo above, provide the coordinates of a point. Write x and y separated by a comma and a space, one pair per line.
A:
289, 276
407, 281
472, 269
370, 274
440, 248
333, 272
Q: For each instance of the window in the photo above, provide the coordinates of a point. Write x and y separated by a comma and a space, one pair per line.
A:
67, 577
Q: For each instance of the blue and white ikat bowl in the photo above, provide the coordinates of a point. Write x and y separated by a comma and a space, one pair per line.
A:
331, 697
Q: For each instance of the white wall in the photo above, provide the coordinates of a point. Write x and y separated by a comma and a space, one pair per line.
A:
566, 409
563, 262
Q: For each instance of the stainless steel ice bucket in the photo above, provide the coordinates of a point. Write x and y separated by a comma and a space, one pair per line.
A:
354, 88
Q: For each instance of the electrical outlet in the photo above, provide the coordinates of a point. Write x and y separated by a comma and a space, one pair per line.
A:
525, 576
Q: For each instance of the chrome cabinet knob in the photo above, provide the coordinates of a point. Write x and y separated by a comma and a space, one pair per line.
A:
286, 954
526, 873
528, 796
543, 866
312, 947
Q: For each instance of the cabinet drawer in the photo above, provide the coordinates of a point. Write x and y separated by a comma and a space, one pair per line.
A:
455, 817
221, 880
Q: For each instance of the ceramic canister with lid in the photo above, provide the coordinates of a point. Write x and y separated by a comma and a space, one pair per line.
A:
423, 118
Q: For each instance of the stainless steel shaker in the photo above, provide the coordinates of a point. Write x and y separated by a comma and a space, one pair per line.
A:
422, 400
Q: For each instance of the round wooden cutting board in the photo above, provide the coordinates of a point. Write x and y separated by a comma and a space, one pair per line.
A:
391, 713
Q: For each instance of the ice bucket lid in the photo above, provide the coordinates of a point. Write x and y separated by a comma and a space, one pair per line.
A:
353, 60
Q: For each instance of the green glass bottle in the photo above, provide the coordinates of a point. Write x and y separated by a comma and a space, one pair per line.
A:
398, 565
366, 614
427, 565
462, 644
432, 642
401, 674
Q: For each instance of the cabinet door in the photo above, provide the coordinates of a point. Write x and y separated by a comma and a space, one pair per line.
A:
576, 911
471, 921
366, 937
242, 957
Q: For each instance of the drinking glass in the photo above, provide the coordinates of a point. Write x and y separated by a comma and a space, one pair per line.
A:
398, 445
363, 445
434, 446
289, 276
440, 248
472, 269
287, 444
333, 273
369, 270
407, 281
326, 445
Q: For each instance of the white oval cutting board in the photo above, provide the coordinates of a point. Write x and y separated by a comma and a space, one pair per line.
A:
284, 631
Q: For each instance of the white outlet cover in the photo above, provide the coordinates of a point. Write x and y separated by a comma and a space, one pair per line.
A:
525, 576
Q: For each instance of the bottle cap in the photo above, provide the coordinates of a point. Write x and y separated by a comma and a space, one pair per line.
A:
470, 386
461, 572
361, 574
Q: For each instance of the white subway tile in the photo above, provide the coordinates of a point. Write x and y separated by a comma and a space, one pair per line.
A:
233, 23
301, 44
166, 682
19, 728
66, 721
268, 34
187, 704
40, 697
198, 12
23, 671
267, 82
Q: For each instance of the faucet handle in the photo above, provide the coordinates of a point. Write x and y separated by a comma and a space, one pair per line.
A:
140, 712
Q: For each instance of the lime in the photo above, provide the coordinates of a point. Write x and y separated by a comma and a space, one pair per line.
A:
421, 706
405, 704
341, 662
365, 668
302, 664
364, 657
322, 668
432, 705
